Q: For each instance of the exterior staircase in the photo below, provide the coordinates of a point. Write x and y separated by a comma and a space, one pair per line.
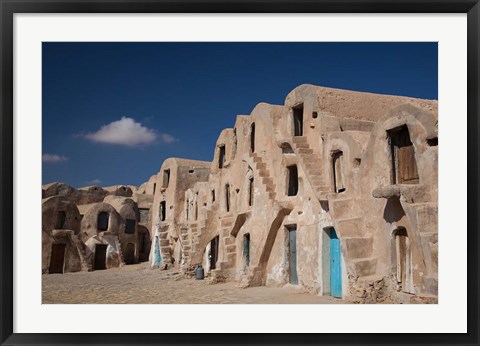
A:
267, 181
197, 229
310, 162
358, 247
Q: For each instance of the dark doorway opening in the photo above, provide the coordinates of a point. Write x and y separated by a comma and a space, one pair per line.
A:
129, 255
163, 210
404, 165
227, 197
250, 191
57, 259
298, 120
246, 250
252, 138
338, 178
214, 252
102, 221
292, 180
292, 255
143, 245
130, 226
221, 156
100, 257
61, 218
166, 177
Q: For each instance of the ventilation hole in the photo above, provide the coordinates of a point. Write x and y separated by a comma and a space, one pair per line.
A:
314, 115
433, 142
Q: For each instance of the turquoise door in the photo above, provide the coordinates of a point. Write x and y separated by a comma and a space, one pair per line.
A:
293, 256
335, 265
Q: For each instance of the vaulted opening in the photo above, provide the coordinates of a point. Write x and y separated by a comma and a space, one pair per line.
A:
213, 255
292, 188
61, 218
163, 210
102, 221
250, 191
100, 257
227, 197
404, 165
129, 254
298, 120
252, 137
57, 259
221, 156
338, 172
130, 226
246, 250
166, 177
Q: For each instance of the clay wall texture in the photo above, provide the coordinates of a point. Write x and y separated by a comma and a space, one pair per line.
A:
359, 165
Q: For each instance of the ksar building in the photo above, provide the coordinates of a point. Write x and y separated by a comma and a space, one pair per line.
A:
335, 191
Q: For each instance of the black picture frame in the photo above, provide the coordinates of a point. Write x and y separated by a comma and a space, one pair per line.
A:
10, 7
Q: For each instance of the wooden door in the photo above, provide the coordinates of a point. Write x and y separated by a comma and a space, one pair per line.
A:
335, 265
57, 259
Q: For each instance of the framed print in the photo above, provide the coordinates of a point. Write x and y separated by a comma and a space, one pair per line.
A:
271, 170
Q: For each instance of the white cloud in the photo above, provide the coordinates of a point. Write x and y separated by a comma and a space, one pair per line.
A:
166, 138
53, 158
127, 131
93, 182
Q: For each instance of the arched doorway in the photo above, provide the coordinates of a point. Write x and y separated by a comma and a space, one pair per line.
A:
144, 244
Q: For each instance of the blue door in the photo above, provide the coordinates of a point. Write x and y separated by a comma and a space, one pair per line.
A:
292, 234
335, 265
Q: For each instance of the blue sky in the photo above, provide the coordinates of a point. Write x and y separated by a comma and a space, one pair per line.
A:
112, 112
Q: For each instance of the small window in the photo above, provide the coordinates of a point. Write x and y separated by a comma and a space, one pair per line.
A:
221, 156
61, 217
314, 115
404, 165
102, 221
338, 178
163, 210
432, 142
187, 208
213, 196
191, 171
154, 187
246, 250
196, 206
252, 137
166, 178
130, 226
292, 180
298, 120
250, 191
227, 197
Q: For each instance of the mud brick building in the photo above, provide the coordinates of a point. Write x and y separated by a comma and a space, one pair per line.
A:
334, 191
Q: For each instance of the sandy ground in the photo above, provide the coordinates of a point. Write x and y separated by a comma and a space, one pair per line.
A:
138, 284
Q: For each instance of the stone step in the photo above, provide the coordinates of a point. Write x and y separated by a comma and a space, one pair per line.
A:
229, 240
365, 266
299, 139
232, 248
314, 172
345, 208
350, 227
304, 151
261, 166
358, 247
